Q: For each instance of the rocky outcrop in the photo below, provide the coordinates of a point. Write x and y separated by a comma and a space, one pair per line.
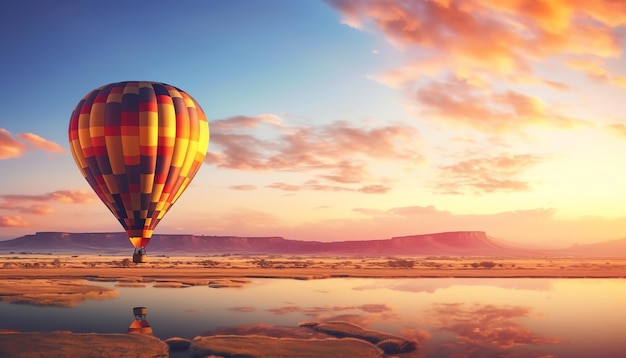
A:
388, 343
68, 344
451, 243
263, 346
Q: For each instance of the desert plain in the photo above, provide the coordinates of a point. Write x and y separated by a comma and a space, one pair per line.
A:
68, 280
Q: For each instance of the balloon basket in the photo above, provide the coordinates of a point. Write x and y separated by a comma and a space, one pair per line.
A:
140, 312
139, 256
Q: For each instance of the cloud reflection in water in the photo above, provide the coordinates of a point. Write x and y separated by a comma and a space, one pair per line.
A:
486, 330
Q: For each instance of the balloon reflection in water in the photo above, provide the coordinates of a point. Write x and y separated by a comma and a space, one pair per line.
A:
140, 325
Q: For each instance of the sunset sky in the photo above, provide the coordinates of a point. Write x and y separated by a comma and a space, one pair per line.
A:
336, 120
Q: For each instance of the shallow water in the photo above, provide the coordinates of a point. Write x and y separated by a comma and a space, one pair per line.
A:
477, 317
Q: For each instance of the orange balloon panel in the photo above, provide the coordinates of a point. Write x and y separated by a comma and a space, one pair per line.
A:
139, 327
138, 144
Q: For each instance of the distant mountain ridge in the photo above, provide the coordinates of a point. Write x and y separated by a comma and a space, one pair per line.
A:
456, 243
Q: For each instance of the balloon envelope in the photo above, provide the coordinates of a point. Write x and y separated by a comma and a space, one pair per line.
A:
138, 144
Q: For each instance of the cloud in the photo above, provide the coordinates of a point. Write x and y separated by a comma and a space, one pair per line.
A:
593, 68
475, 43
372, 212
32, 209
243, 187
315, 151
284, 187
409, 211
315, 186
346, 172
14, 202
238, 122
244, 309
41, 143
315, 148
13, 221
500, 36
487, 174
374, 189
9, 147
618, 129
460, 103
61, 196
13, 148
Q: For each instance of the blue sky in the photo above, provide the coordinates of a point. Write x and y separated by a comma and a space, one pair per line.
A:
363, 119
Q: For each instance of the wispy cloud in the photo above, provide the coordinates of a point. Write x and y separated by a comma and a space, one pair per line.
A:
10, 147
237, 122
314, 151
476, 42
41, 143
16, 202
31, 209
487, 174
244, 309
61, 196
243, 187
492, 36
618, 129
409, 211
461, 103
13, 221
315, 186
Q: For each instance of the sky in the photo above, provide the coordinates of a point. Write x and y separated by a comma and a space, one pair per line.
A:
336, 120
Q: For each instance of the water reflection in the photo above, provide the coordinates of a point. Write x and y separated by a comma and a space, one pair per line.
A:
462, 317
140, 325
433, 285
362, 315
444, 329
486, 330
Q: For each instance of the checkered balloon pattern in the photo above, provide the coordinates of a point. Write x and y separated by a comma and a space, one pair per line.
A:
138, 144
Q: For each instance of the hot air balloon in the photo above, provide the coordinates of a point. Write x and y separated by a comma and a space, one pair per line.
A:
139, 144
